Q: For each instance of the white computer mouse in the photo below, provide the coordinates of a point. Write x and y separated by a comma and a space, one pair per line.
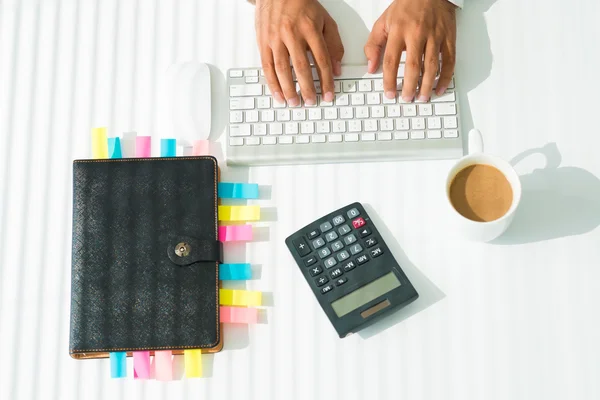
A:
186, 102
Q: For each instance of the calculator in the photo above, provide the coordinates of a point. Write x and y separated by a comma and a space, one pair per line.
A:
350, 269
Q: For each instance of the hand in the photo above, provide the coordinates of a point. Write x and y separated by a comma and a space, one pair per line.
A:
290, 28
422, 28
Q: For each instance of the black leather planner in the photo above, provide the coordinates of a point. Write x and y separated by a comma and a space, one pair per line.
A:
145, 256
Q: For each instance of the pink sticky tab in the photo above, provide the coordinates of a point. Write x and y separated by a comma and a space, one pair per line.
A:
238, 315
141, 364
231, 233
163, 365
201, 148
143, 146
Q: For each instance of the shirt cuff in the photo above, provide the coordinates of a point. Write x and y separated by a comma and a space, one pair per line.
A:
458, 3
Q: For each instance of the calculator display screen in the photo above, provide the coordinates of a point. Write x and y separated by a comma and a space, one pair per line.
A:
365, 294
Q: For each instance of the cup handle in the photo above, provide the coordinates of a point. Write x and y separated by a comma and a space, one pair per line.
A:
475, 144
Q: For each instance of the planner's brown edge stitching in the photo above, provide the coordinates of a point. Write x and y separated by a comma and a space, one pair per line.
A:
73, 351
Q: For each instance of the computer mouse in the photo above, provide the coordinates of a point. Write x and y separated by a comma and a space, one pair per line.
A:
186, 111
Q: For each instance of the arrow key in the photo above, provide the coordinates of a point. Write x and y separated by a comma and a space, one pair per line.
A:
364, 232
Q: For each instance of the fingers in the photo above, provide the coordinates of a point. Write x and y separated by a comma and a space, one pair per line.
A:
375, 45
391, 61
303, 71
412, 70
430, 69
281, 58
269, 68
333, 41
322, 58
448, 62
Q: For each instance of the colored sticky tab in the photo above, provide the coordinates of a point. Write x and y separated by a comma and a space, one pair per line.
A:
239, 213
168, 147
143, 146
201, 148
235, 233
193, 363
118, 364
99, 143
114, 148
238, 315
244, 298
229, 190
141, 364
163, 365
235, 272
128, 144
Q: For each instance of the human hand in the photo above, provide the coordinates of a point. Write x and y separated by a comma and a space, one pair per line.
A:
290, 28
421, 28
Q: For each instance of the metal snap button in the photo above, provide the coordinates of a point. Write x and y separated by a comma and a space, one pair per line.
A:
183, 249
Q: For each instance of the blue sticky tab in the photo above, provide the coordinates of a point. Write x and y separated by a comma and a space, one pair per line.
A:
118, 364
168, 147
235, 272
114, 148
228, 190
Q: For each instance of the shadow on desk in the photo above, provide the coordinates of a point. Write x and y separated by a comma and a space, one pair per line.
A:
555, 202
429, 294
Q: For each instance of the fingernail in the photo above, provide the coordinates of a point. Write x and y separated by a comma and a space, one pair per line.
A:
308, 102
423, 99
338, 68
370, 66
278, 97
390, 94
293, 101
441, 90
328, 97
407, 99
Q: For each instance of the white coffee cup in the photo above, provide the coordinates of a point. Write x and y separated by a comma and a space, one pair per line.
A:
483, 231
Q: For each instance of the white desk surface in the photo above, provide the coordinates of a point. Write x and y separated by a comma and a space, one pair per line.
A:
512, 320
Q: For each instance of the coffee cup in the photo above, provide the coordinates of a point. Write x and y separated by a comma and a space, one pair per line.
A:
483, 192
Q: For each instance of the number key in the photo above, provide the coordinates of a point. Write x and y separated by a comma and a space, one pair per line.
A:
342, 230
338, 220
343, 256
318, 243
337, 246
355, 249
331, 236
330, 262
324, 252
350, 239
353, 213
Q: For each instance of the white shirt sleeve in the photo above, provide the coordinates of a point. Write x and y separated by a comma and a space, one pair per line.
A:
458, 3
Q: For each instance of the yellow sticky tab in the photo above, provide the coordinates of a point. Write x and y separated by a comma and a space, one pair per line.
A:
239, 213
254, 299
226, 297
193, 363
99, 143
243, 298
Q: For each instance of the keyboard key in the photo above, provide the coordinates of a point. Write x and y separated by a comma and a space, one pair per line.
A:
353, 213
371, 125
339, 126
335, 273
434, 134
351, 137
448, 97
362, 259
384, 136
354, 125
325, 226
402, 124
370, 242
417, 135
326, 289
334, 138
376, 252
240, 130
277, 104
401, 135
399, 84
314, 114
341, 281
317, 138
317, 87
331, 113
346, 113
301, 246
378, 84
260, 129
283, 115
337, 86
241, 104
373, 98
267, 116
321, 281
323, 103
245, 90
235, 117
252, 79
344, 229
337, 246
331, 236
299, 114
302, 139
364, 232
275, 128
349, 239
377, 112
310, 261
330, 262
323, 127
451, 134
349, 86
358, 222
350, 265
445, 109
285, 140
357, 99
417, 123
291, 128
337, 220
393, 110
236, 141
362, 112
389, 101
434, 123
268, 92
313, 234
386, 124
367, 137
235, 73
251, 72
252, 141
409, 110
252, 116
316, 270
342, 100
450, 122
324, 252
269, 140
425, 109
364, 85
307, 127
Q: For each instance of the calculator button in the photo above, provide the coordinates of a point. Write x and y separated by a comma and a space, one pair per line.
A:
343, 255
301, 246
355, 249
324, 252
318, 243
350, 239
326, 289
331, 236
353, 213
364, 232
325, 226
321, 281
341, 281
338, 220
358, 222
316, 270
344, 229
349, 266
370, 242
313, 234
337, 246
376, 252
330, 262
362, 259
310, 261
335, 273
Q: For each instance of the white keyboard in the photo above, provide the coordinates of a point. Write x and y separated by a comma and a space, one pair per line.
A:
361, 124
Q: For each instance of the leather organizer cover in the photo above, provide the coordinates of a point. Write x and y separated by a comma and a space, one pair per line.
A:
145, 262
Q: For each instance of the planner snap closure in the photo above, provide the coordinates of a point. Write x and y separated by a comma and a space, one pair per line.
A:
182, 249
